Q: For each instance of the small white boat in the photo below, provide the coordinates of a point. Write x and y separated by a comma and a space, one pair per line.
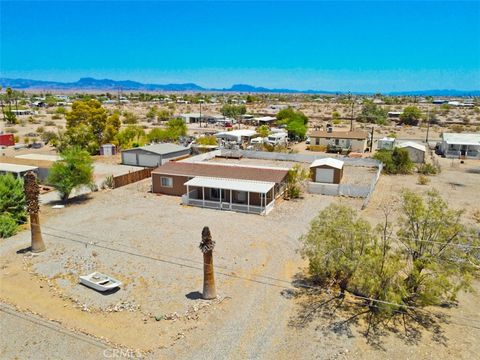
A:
99, 281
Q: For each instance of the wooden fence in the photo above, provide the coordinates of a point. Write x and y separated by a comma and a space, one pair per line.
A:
131, 177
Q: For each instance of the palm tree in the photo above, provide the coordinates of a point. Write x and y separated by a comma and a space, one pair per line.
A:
207, 246
31, 193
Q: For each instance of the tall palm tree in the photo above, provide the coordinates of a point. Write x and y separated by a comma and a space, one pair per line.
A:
207, 245
31, 193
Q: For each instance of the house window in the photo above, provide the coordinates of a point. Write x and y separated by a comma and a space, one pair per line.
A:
166, 181
317, 141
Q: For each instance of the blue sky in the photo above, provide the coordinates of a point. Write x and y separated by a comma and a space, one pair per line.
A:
345, 46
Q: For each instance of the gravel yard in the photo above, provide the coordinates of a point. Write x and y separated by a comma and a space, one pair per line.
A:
150, 243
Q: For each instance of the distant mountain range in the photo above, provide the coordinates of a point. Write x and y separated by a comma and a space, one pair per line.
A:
114, 85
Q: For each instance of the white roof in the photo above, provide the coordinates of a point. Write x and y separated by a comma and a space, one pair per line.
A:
462, 139
192, 115
391, 139
39, 157
335, 163
412, 145
15, 168
231, 184
237, 133
265, 118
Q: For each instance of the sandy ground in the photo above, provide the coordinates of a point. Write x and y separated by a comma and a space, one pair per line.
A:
150, 243
161, 268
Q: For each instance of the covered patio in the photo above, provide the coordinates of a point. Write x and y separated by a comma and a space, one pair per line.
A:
247, 196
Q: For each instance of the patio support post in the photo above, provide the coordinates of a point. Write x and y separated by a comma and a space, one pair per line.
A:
220, 190
188, 195
248, 201
230, 199
203, 196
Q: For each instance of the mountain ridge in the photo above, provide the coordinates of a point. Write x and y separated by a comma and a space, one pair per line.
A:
90, 83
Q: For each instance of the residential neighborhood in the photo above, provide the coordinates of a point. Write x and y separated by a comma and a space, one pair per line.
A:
251, 180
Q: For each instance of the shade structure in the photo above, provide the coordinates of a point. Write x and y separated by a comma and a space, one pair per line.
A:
231, 184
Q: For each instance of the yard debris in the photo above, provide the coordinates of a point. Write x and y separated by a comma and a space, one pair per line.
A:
123, 306
172, 316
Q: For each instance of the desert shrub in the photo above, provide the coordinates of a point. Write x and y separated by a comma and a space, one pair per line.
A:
476, 216
40, 129
423, 180
11, 130
457, 128
49, 123
12, 204
207, 140
427, 169
129, 118
108, 183
321, 148
8, 226
295, 181
56, 116
49, 136
16, 138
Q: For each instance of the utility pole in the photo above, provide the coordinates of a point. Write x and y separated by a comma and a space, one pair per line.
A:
351, 119
200, 102
371, 140
428, 124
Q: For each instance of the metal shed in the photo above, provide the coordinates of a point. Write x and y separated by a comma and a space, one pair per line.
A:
415, 150
327, 170
154, 155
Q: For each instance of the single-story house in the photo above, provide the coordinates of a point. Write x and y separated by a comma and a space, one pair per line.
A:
355, 141
190, 118
415, 150
154, 155
237, 136
42, 162
16, 170
248, 189
460, 145
264, 120
327, 170
394, 114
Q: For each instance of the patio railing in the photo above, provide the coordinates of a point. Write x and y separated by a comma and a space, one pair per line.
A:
186, 200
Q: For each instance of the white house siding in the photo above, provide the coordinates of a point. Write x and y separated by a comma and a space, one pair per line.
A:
416, 155
354, 144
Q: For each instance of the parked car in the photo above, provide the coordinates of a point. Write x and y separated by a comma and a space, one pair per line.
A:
307, 141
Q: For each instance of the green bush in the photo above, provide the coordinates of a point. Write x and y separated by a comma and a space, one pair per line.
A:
427, 169
395, 162
8, 226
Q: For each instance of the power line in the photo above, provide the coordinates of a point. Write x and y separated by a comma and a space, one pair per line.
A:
258, 281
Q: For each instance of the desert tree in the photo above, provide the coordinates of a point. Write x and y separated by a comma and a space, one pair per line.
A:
426, 261
206, 246
32, 192
74, 169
